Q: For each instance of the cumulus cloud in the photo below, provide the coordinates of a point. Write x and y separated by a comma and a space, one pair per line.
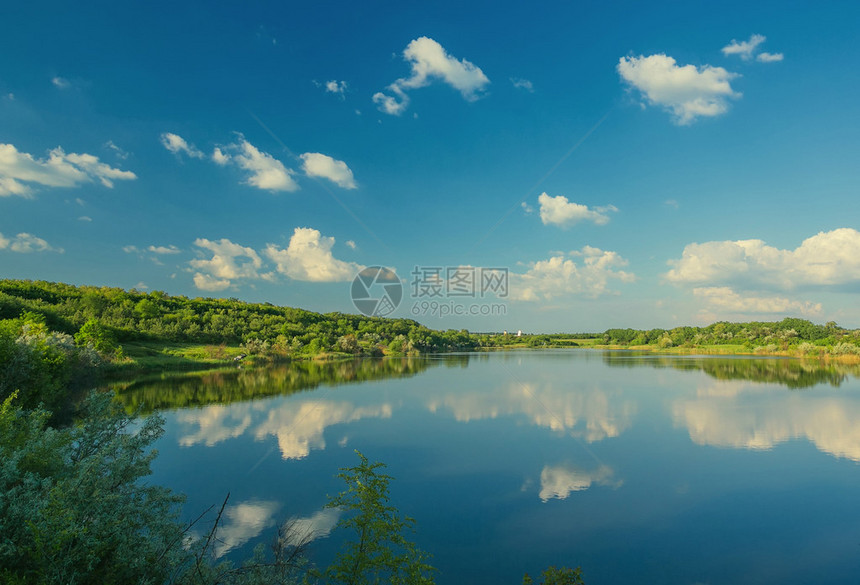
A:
176, 144
559, 276
264, 171
229, 262
746, 50
25, 243
688, 92
825, 259
19, 171
308, 257
315, 164
723, 298
559, 211
220, 157
430, 61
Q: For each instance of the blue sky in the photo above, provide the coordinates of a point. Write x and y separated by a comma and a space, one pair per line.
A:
628, 164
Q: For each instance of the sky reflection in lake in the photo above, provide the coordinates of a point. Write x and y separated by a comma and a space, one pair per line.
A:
639, 468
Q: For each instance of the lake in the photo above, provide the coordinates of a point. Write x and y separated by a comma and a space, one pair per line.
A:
638, 468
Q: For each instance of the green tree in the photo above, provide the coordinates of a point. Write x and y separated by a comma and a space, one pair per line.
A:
93, 333
74, 508
378, 552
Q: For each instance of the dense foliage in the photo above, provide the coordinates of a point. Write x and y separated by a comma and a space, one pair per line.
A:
107, 317
43, 366
790, 333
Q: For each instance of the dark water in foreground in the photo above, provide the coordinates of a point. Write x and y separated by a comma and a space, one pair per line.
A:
639, 468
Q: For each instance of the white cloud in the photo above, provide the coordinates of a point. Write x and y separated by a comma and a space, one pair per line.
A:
120, 153
301, 427
263, 170
744, 49
242, 522
61, 82
558, 481
723, 298
687, 92
229, 262
25, 243
336, 87
220, 157
560, 211
559, 276
769, 57
85, 218
305, 529
315, 164
430, 61
209, 283
176, 144
308, 257
350, 244
266, 172
587, 411
164, 249
19, 170
760, 416
523, 84
825, 259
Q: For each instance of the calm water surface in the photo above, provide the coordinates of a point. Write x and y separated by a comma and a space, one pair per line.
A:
639, 468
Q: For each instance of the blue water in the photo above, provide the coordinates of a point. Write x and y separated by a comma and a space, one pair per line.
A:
639, 469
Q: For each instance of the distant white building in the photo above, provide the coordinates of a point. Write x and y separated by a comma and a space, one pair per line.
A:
520, 333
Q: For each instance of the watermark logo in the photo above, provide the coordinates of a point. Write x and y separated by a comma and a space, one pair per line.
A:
436, 291
376, 291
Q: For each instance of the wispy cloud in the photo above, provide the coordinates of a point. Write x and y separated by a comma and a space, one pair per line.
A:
746, 50
723, 298
525, 84
117, 151
177, 145
19, 171
61, 82
688, 92
430, 61
561, 212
